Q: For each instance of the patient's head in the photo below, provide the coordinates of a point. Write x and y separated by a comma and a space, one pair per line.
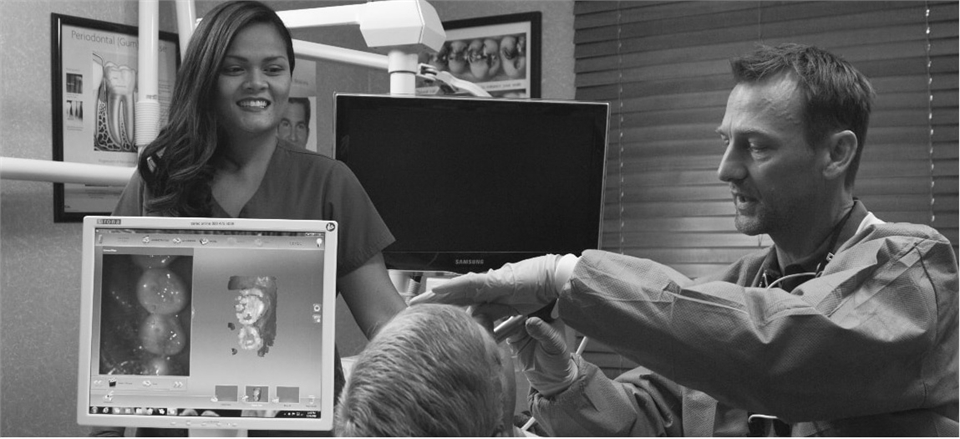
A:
431, 371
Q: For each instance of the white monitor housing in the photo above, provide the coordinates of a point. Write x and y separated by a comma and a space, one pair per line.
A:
182, 316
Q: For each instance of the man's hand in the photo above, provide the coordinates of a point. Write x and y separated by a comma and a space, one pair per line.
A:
518, 288
544, 357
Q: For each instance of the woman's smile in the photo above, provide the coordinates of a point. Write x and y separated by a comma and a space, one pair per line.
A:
256, 104
254, 83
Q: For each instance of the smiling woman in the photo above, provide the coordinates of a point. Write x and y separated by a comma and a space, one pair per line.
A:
252, 90
228, 66
219, 156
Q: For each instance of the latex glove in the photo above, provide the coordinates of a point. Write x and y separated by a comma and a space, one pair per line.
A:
522, 287
544, 357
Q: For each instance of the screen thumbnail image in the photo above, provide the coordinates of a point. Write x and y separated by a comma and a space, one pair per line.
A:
145, 321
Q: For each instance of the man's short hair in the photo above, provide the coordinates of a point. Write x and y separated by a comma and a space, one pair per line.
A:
431, 371
836, 96
306, 107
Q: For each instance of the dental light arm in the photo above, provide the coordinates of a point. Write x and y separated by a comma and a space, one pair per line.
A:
448, 81
375, 61
339, 54
186, 21
397, 24
147, 115
403, 27
64, 172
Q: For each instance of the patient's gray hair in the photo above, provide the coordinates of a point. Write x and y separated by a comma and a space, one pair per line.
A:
431, 371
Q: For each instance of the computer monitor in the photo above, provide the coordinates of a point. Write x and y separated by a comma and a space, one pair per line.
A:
468, 184
180, 316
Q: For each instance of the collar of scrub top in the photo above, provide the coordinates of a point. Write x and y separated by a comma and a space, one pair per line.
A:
812, 266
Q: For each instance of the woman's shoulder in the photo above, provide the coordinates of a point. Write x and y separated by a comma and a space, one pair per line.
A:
132, 197
293, 155
287, 147
292, 161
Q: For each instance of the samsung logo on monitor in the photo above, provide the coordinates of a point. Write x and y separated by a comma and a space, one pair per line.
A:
108, 221
468, 261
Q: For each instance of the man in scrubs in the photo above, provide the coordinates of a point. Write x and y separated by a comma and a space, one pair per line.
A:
847, 325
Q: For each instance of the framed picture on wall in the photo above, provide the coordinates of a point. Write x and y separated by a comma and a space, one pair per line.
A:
298, 124
501, 54
94, 81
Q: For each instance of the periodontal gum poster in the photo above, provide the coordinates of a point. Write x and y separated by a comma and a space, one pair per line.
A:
99, 93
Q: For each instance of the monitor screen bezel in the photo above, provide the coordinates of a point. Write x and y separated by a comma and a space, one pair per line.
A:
462, 261
324, 422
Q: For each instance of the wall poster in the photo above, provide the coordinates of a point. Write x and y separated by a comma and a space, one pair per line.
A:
501, 54
299, 123
94, 80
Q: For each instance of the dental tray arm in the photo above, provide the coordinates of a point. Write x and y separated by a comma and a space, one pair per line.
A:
449, 83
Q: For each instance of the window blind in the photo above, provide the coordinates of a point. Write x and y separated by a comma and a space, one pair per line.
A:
664, 68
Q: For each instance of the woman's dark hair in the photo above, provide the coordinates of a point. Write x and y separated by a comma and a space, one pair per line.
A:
176, 167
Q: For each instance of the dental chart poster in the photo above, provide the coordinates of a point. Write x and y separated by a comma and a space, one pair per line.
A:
94, 98
501, 54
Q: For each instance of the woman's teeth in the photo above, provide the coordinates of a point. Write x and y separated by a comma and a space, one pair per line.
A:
253, 104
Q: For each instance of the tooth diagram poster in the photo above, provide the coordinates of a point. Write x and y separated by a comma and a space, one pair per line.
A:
95, 94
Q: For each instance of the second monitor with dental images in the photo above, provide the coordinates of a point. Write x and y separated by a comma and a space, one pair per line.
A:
184, 321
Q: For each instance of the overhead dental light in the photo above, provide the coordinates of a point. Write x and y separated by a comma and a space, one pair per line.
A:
403, 27
411, 24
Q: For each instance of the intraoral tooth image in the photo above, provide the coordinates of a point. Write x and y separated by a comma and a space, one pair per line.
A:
145, 324
161, 291
255, 308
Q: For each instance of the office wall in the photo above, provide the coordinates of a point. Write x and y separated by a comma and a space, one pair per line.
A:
40, 259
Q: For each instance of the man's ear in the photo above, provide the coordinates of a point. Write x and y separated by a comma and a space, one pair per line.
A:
841, 149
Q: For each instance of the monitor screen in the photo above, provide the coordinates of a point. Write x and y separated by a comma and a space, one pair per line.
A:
467, 184
182, 316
